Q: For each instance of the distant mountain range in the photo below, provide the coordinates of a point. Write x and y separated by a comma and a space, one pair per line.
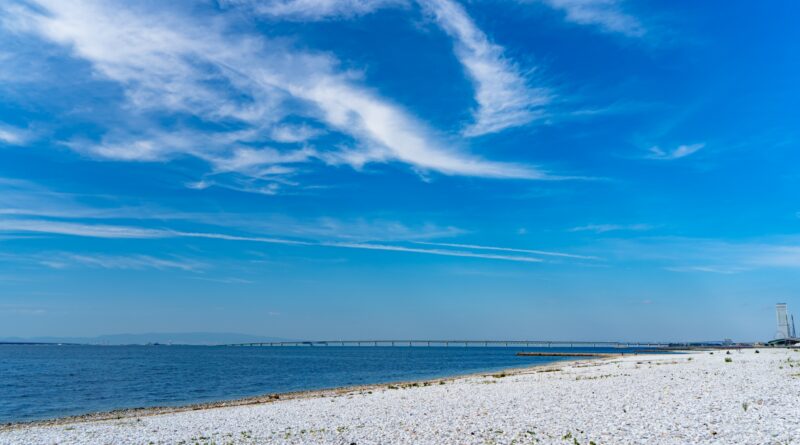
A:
176, 338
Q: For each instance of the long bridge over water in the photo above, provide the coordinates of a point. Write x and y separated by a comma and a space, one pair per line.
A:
464, 343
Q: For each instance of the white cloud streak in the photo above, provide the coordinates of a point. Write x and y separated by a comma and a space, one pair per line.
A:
313, 10
130, 262
78, 229
510, 249
699, 255
679, 152
504, 99
722, 270
674, 254
126, 232
777, 256
603, 228
608, 15
14, 136
294, 133
442, 252
25, 200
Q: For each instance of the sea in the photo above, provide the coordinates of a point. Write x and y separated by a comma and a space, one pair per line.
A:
49, 381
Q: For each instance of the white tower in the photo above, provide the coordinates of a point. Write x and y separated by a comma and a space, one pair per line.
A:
783, 321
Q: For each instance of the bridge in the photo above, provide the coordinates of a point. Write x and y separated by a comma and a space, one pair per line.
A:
463, 343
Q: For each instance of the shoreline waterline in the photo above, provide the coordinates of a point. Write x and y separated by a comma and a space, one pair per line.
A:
42, 383
127, 413
700, 397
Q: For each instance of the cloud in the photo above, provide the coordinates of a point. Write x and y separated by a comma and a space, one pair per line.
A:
171, 64
24, 199
261, 162
777, 256
456, 253
392, 135
13, 135
509, 249
746, 257
313, 10
127, 232
603, 228
359, 229
501, 91
294, 133
26, 208
79, 229
608, 15
700, 255
503, 96
723, 270
132, 262
680, 152
228, 280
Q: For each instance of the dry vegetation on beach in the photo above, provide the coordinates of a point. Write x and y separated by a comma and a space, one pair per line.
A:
739, 397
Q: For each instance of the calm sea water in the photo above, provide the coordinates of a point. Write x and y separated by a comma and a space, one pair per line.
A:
45, 381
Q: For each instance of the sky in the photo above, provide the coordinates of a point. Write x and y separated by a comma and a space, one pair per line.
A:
353, 169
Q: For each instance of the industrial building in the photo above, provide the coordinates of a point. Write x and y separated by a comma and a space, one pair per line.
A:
786, 334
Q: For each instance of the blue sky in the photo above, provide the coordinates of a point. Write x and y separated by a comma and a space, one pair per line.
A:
566, 169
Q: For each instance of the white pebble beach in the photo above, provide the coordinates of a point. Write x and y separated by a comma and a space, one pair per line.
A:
735, 397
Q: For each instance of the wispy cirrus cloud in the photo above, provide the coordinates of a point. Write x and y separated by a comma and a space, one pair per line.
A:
608, 15
289, 133
440, 252
510, 249
358, 229
172, 63
722, 270
777, 256
686, 255
678, 152
127, 232
22, 201
11, 135
703, 255
65, 260
603, 228
503, 95
502, 92
313, 10
78, 229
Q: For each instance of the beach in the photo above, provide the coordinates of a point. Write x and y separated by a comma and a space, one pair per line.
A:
721, 397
